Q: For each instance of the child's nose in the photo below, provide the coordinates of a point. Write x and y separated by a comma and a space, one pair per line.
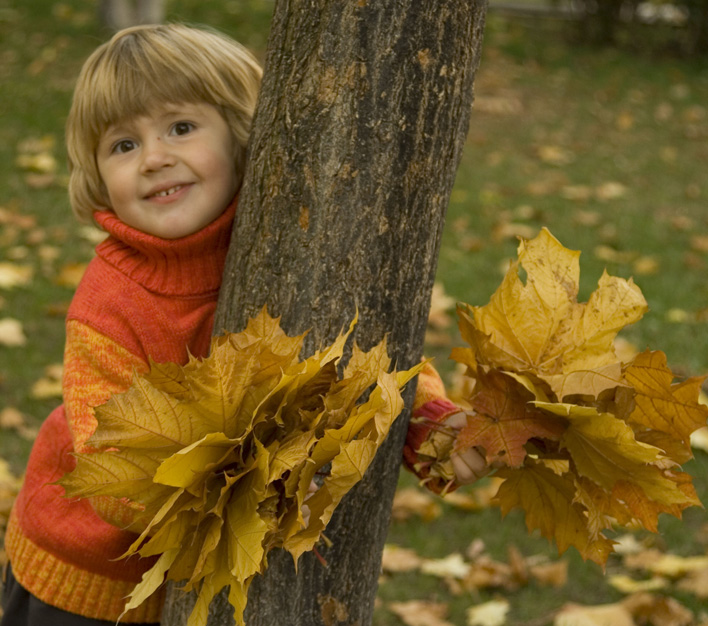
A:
156, 155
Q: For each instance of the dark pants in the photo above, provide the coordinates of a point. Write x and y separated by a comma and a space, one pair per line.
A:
21, 608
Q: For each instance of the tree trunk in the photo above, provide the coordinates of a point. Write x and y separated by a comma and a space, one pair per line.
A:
363, 114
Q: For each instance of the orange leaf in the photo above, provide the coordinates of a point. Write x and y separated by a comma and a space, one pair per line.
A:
504, 420
548, 500
661, 405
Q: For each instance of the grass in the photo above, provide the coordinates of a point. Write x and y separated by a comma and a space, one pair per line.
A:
606, 149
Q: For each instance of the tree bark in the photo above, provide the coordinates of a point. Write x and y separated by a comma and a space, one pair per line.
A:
361, 121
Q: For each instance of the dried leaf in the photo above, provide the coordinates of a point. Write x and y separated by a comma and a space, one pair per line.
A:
419, 613
412, 501
658, 610
626, 584
492, 613
602, 615
452, 566
12, 275
70, 275
695, 582
11, 333
553, 574
397, 559
503, 420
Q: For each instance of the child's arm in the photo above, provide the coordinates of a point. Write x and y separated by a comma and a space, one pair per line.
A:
95, 368
431, 437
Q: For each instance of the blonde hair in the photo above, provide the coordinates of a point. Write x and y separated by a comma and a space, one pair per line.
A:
144, 67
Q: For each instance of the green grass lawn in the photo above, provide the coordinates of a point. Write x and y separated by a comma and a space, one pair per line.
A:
606, 149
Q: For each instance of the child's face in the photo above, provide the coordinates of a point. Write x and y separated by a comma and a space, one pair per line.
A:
169, 173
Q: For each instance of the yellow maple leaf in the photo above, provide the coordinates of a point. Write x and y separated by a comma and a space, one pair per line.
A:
540, 327
662, 405
218, 457
548, 500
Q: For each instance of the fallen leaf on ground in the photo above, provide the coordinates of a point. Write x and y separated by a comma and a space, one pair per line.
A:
602, 615
492, 613
50, 385
411, 501
695, 582
12, 275
70, 275
555, 155
658, 610
646, 266
610, 191
397, 559
440, 307
553, 574
670, 565
626, 584
11, 333
488, 573
498, 105
452, 566
420, 613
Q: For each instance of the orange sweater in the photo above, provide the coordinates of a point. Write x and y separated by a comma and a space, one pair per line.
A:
141, 296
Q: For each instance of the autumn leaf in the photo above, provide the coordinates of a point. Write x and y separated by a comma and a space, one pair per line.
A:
217, 458
662, 405
583, 441
548, 500
540, 326
503, 419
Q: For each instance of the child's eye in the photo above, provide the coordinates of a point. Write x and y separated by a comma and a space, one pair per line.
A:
182, 128
123, 146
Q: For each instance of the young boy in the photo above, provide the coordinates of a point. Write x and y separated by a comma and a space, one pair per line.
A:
156, 138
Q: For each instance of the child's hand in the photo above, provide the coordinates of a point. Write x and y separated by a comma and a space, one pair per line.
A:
469, 465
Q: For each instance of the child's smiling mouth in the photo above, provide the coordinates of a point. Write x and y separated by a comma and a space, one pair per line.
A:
166, 192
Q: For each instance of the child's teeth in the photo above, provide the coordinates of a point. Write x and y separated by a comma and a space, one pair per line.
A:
168, 191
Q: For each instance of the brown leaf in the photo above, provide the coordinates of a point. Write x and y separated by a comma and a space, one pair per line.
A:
601, 615
503, 420
411, 501
553, 574
658, 610
420, 613
695, 582
661, 404
396, 559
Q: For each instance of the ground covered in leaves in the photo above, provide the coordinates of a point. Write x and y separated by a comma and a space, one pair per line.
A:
607, 149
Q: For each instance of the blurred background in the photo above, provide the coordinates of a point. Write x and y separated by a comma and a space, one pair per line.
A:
590, 118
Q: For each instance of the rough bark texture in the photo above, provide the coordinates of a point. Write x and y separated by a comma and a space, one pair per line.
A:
363, 113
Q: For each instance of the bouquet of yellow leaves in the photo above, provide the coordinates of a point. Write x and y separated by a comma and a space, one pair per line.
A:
217, 457
582, 440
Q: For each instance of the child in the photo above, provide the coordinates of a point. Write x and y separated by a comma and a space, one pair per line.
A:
156, 138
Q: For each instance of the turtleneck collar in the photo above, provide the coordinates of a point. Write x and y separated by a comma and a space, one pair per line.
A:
189, 266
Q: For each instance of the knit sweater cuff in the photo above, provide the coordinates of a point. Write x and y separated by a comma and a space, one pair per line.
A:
71, 589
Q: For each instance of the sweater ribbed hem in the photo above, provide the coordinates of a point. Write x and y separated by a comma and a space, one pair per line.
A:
71, 589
